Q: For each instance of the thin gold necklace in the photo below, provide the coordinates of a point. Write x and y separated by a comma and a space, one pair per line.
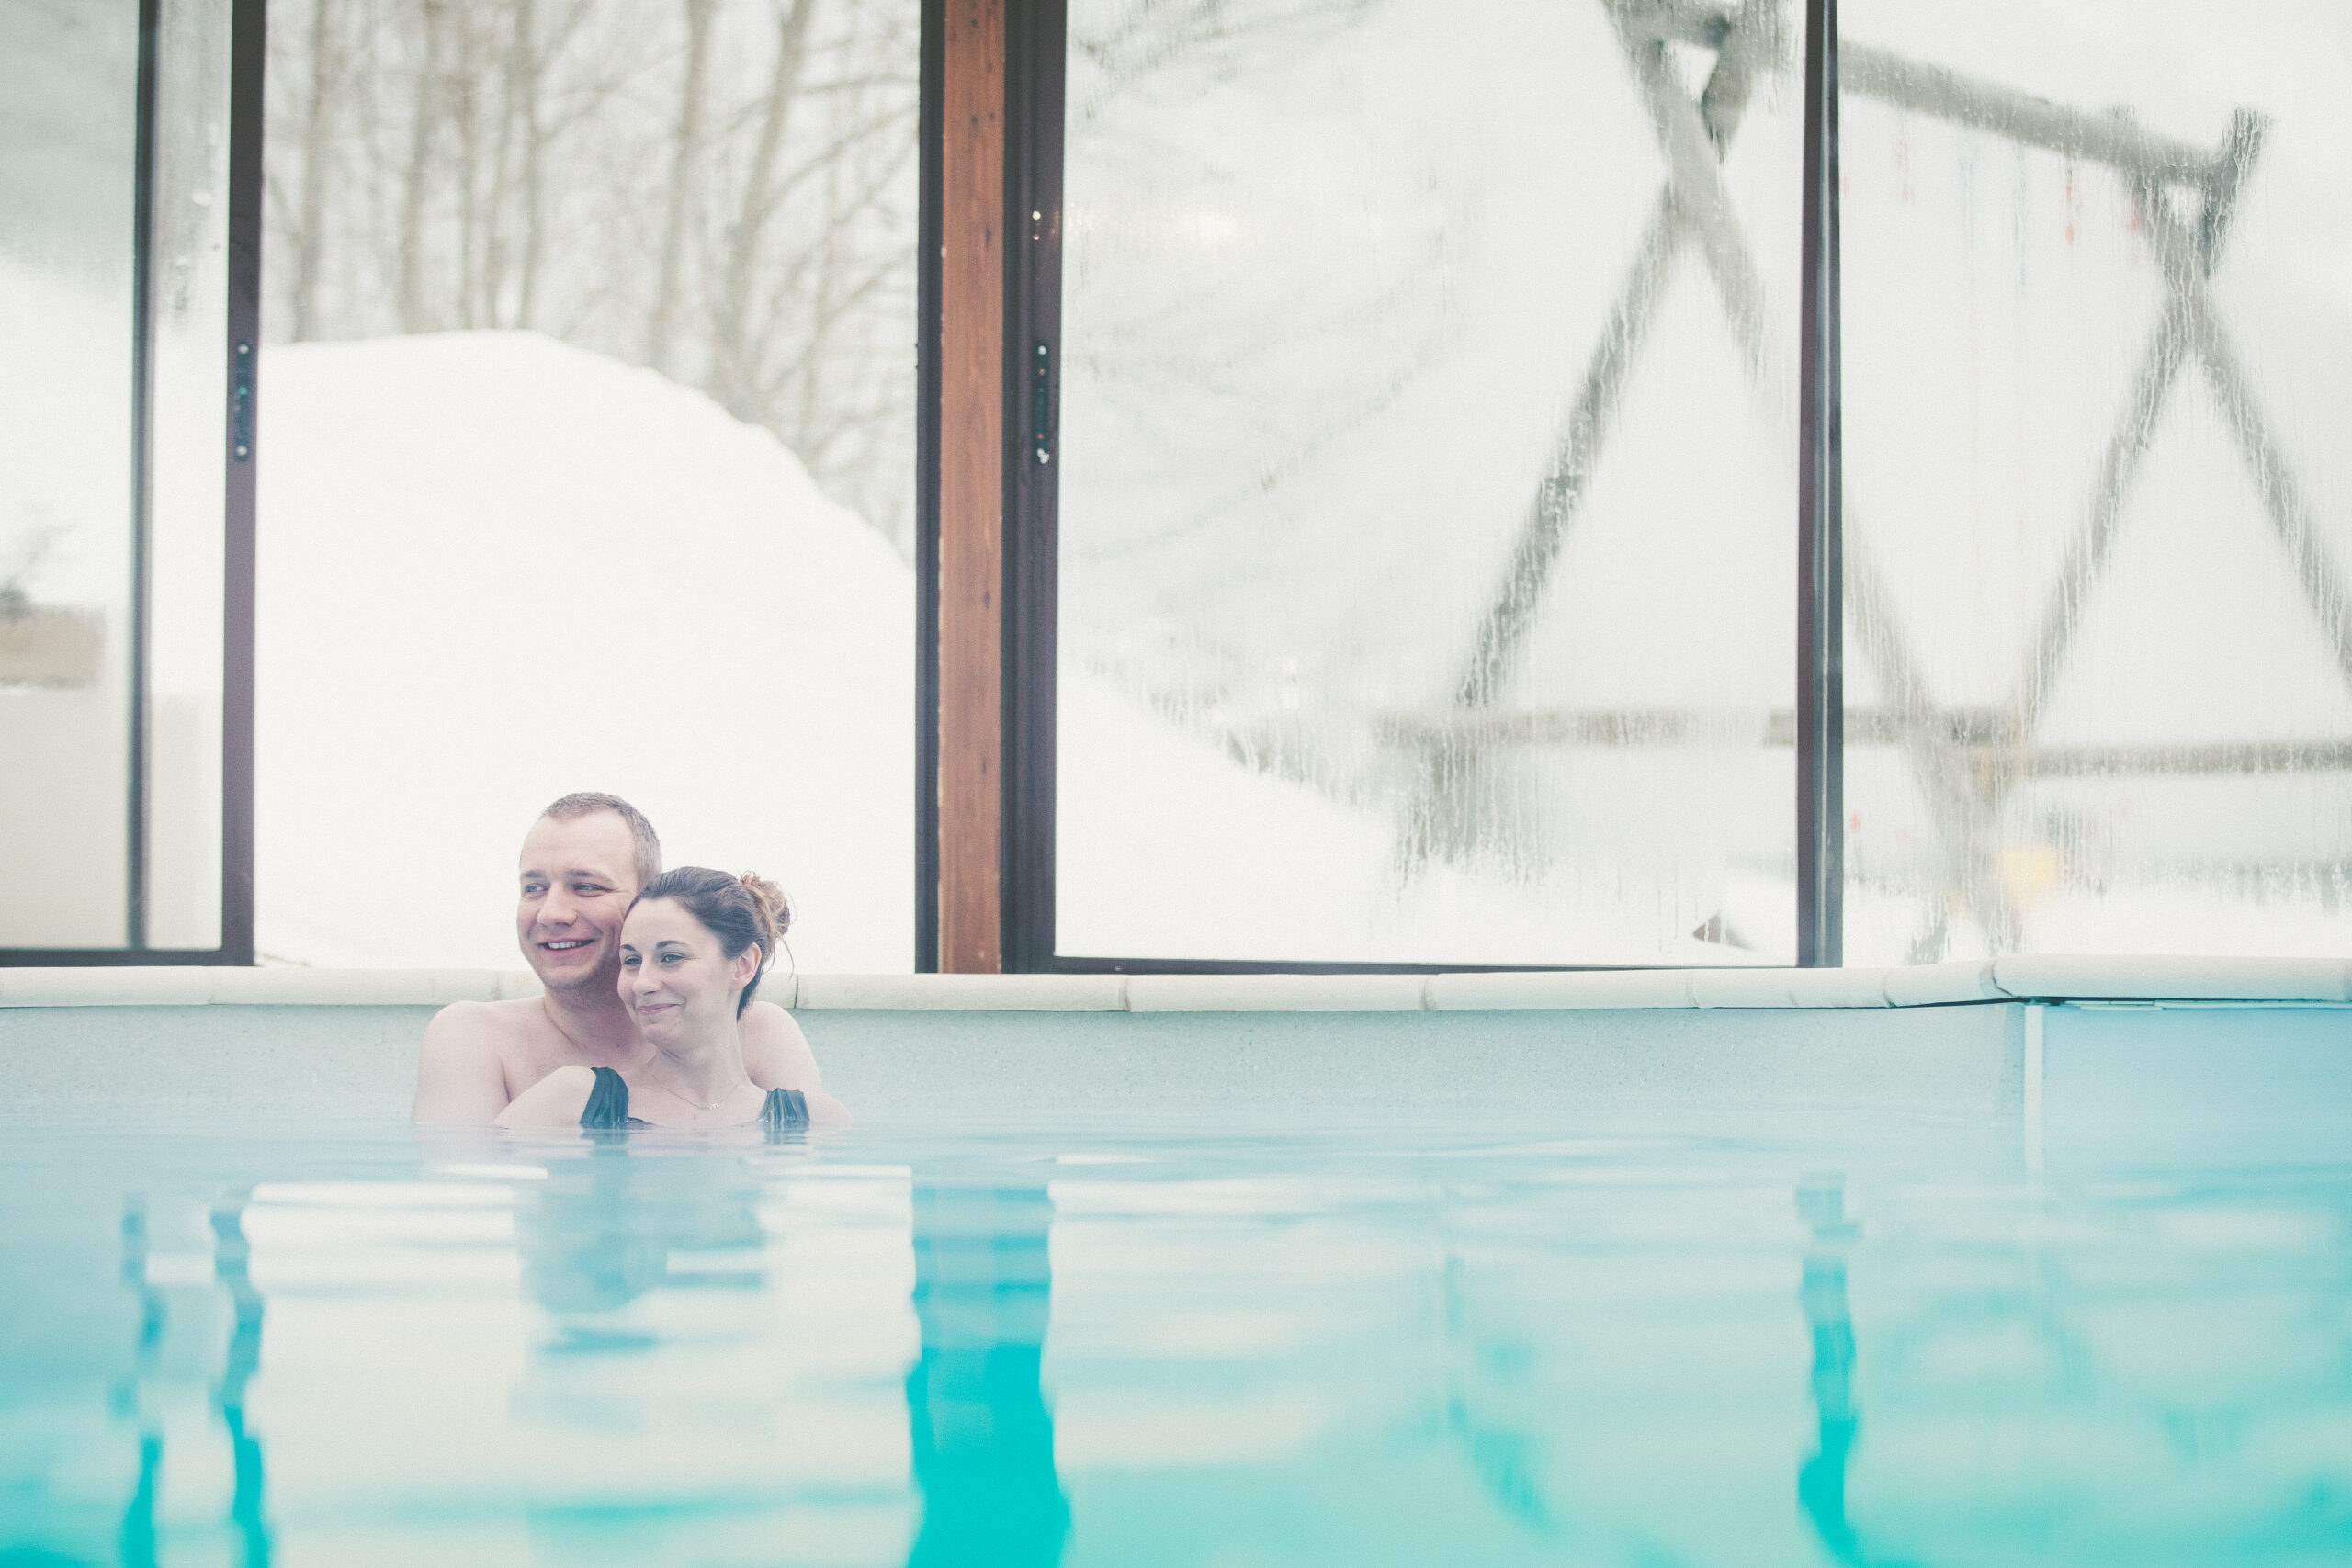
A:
698, 1104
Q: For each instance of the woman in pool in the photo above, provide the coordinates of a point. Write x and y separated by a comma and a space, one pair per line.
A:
693, 948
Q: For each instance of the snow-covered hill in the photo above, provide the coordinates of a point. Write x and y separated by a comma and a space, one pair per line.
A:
495, 568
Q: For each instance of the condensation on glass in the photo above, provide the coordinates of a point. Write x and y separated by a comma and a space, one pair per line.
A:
110, 805
189, 451
1427, 491
2097, 367
69, 77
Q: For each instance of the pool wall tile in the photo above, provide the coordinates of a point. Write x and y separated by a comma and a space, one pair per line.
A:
330, 1062
1935, 984
1277, 993
2158, 979
1743, 987
1589, 988
955, 993
157, 986
1554, 1066
2051, 978
376, 988
1839, 987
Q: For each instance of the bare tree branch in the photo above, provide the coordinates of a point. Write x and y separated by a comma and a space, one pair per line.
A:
732, 375
684, 164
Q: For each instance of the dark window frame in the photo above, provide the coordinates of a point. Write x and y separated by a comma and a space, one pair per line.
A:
1036, 57
247, 56
931, 115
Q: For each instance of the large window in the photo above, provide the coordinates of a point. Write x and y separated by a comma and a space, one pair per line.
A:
2098, 365
1404, 402
1402, 493
1427, 387
590, 458
125, 313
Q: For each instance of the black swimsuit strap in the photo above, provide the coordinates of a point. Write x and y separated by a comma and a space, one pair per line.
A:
608, 1107
786, 1111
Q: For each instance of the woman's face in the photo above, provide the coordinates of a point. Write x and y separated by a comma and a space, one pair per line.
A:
674, 975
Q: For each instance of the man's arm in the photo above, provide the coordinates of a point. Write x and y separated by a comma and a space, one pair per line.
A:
459, 1076
776, 1055
556, 1100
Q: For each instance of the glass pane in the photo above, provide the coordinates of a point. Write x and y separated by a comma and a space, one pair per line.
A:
593, 366
68, 114
1427, 499
186, 515
2098, 362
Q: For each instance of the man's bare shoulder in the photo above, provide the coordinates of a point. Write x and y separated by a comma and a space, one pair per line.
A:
463, 1025
772, 1016
776, 1053
771, 1026
474, 1056
556, 1100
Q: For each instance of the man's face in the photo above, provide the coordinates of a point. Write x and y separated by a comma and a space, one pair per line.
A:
577, 880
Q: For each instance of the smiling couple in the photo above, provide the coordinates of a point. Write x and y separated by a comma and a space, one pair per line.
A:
648, 1015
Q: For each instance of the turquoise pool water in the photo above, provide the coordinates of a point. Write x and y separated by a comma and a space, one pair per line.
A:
1266, 1337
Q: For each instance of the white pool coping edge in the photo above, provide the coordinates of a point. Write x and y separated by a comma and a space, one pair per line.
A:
2022, 979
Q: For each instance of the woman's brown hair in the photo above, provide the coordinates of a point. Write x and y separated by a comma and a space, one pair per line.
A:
741, 912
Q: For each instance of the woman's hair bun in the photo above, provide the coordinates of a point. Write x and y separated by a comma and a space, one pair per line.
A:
772, 903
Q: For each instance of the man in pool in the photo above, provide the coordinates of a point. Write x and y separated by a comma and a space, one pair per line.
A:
583, 864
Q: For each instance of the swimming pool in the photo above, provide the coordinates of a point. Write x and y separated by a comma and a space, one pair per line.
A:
1982, 1284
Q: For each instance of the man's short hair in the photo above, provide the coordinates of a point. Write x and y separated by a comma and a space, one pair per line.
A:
587, 802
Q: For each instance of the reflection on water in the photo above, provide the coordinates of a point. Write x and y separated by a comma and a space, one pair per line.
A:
149, 1384
604, 1229
228, 1261
136, 1542
232, 1254
1312, 1348
977, 1419
711, 1365
1821, 1482
607, 1230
